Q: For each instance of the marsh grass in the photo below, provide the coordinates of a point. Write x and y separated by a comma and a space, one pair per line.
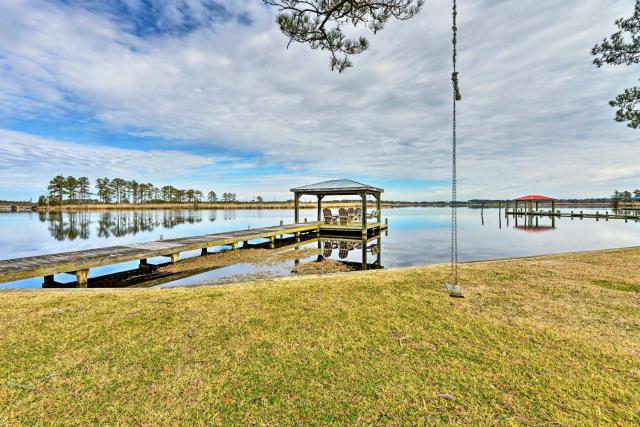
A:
535, 342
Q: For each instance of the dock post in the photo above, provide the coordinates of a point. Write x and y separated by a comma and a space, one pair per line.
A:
82, 277
204, 251
297, 234
234, 246
245, 243
144, 265
296, 206
320, 197
174, 257
49, 279
272, 242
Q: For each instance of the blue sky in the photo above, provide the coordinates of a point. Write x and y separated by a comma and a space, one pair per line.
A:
205, 94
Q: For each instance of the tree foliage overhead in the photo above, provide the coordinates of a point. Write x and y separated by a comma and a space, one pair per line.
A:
320, 23
623, 48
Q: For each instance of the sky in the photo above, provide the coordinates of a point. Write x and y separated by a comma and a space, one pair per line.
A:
205, 94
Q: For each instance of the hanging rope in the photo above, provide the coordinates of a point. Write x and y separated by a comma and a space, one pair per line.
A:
454, 288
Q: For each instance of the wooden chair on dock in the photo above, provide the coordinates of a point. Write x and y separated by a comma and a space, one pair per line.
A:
328, 216
373, 214
357, 215
344, 217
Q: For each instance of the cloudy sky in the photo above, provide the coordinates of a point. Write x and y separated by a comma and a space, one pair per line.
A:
205, 94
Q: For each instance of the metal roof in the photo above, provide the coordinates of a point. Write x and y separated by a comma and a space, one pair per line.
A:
535, 197
336, 186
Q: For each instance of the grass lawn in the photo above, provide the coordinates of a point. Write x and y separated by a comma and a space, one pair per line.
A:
542, 341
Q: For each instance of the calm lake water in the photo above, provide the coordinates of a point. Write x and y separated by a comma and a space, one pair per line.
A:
416, 236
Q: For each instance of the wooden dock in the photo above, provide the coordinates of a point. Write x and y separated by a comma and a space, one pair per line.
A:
80, 262
597, 215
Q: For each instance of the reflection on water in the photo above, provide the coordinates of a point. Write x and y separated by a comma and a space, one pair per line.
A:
534, 224
416, 235
344, 250
355, 253
76, 225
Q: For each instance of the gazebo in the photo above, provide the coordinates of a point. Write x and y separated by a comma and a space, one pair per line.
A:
537, 198
340, 187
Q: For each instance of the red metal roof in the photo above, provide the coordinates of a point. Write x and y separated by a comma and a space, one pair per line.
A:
535, 197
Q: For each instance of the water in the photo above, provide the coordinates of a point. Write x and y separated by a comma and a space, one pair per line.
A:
416, 236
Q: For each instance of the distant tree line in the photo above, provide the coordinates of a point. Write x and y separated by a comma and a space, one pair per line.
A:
72, 190
624, 196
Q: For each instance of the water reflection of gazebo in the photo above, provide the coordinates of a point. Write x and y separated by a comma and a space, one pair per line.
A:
343, 187
341, 247
532, 224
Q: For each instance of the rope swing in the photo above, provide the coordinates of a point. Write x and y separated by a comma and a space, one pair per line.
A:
454, 288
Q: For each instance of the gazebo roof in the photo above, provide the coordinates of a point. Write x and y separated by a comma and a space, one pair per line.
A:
535, 197
337, 186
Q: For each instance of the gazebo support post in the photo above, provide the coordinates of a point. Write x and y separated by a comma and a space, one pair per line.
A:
379, 208
320, 197
296, 204
364, 213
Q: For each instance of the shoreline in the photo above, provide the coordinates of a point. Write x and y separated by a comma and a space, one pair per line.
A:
99, 207
355, 273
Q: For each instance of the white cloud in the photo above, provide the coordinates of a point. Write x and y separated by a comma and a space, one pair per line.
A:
28, 162
534, 117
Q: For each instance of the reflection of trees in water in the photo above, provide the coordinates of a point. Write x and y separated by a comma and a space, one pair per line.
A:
230, 214
73, 225
67, 227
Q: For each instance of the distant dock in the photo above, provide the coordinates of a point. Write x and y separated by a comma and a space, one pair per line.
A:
597, 215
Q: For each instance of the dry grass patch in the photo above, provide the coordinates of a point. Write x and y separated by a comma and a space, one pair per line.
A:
536, 342
321, 267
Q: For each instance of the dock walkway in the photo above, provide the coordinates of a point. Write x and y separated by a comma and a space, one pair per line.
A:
79, 262
597, 215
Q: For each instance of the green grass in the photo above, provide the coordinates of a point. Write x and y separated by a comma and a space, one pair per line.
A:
535, 342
